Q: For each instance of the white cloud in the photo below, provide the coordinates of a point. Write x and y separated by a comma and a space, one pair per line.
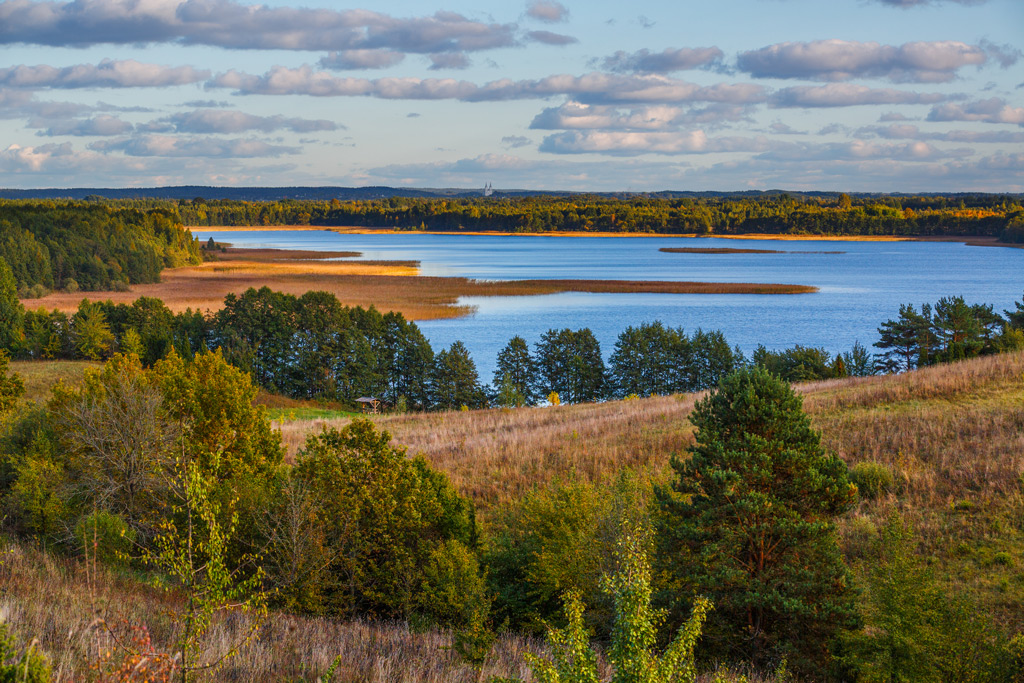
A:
847, 95
107, 74
547, 10
621, 143
102, 125
594, 87
229, 24
992, 110
361, 59
841, 60
170, 146
228, 121
666, 61
911, 132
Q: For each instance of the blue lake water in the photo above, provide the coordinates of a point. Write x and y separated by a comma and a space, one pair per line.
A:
859, 289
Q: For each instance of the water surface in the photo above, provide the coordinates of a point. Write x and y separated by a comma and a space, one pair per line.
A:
858, 289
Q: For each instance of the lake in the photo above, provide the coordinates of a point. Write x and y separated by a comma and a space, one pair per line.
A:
859, 288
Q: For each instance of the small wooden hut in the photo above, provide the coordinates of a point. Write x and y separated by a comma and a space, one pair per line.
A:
370, 404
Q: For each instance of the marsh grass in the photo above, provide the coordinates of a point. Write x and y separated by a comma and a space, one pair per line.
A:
388, 285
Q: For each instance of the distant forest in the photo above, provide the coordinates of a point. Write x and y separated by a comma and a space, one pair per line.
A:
103, 244
90, 245
974, 215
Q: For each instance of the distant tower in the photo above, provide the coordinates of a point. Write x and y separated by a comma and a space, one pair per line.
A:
488, 190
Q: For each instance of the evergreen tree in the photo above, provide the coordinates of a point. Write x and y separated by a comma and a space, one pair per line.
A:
1015, 318
515, 375
748, 522
858, 361
455, 382
901, 340
12, 314
642, 361
570, 363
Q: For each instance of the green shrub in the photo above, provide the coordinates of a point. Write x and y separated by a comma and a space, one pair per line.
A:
561, 538
453, 589
1003, 558
105, 536
632, 654
26, 666
873, 479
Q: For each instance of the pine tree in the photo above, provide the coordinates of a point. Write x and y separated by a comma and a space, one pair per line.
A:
748, 522
455, 382
515, 375
12, 314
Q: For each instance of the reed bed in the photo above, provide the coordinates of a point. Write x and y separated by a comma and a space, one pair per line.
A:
388, 285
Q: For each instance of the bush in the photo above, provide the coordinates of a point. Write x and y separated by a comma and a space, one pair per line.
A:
872, 479
26, 666
560, 538
105, 537
453, 590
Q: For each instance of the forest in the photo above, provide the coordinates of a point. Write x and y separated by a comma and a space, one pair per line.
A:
977, 215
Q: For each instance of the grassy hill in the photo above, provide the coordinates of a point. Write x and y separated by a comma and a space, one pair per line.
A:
950, 438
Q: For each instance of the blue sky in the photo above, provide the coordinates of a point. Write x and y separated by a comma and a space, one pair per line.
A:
856, 95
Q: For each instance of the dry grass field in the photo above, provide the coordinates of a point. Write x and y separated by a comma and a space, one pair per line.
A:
40, 376
952, 436
46, 599
388, 285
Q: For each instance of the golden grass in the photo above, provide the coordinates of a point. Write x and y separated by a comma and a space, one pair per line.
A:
40, 375
947, 431
388, 285
45, 598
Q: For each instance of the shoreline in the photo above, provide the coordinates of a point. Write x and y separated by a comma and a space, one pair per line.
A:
360, 230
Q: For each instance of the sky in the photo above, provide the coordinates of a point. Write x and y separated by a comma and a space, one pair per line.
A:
594, 95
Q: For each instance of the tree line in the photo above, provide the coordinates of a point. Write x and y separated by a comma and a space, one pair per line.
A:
982, 215
312, 347
76, 245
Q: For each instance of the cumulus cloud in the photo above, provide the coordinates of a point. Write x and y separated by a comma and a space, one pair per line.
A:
205, 121
620, 143
448, 60
841, 60
170, 146
547, 10
666, 61
911, 132
229, 24
594, 88
549, 38
107, 74
361, 59
992, 110
847, 95
102, 125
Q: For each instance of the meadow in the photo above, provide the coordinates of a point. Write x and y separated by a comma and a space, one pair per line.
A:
951, 436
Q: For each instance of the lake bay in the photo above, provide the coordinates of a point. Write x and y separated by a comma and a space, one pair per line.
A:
858, 289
